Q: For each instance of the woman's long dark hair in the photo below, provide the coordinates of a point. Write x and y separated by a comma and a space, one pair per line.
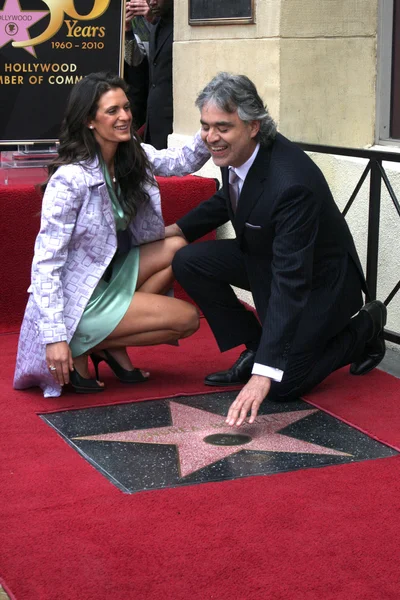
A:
77, 141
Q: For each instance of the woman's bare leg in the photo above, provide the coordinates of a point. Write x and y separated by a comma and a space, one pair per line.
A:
155, 272
166, 320
153, 319
155, 277
139, 327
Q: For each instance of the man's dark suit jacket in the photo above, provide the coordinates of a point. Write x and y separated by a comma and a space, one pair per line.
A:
159, 101
297, 249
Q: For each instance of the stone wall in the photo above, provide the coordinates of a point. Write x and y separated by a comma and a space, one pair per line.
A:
315, 64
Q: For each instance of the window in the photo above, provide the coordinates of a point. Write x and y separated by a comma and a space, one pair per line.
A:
395, 95
388, 98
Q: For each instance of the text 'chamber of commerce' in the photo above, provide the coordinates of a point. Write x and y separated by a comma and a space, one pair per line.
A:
46, 46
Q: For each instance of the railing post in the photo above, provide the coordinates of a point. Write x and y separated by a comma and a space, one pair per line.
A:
373, 227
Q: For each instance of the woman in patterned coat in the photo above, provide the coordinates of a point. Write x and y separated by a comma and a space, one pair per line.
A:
101, 266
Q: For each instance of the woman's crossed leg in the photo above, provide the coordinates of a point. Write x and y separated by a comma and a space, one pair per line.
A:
152, 318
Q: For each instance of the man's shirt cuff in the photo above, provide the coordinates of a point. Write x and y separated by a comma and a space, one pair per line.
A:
271, 372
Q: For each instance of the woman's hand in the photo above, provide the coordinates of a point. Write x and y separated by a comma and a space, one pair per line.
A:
173, 230
59, 361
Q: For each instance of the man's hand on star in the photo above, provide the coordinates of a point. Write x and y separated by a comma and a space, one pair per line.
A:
249, 399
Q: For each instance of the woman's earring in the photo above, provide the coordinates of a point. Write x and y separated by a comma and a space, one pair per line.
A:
90, 126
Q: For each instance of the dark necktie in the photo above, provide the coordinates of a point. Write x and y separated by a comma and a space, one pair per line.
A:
233, 188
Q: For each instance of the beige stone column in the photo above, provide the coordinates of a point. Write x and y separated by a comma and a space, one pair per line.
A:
313, 61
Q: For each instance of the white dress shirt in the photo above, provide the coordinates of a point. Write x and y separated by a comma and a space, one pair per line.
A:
241, 172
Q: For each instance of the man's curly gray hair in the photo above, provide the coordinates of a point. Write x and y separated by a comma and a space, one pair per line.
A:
232, 93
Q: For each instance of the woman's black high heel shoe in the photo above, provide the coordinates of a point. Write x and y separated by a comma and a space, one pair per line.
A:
134, 376
81, 385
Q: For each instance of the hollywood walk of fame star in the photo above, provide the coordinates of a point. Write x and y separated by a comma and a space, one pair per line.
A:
14, 23
191, 426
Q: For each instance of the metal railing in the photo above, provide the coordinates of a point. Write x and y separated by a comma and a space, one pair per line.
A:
377, 174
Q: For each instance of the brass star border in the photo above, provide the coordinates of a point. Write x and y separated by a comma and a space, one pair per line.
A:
185, 441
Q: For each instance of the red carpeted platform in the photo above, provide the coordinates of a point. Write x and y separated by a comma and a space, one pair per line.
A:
20, 206
66, 532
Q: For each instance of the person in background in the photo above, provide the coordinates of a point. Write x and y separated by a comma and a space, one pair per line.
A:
159, 119
138, 19
101, 266
293, 250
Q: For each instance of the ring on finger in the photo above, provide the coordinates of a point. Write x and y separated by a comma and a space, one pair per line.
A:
52, 368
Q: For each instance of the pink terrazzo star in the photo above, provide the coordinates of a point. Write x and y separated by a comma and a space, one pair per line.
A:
192, 425
14, 23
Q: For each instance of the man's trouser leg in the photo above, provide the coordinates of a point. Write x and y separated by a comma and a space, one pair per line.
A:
305, 370
206, 270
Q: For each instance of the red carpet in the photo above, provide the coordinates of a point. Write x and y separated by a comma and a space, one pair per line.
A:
67, 533
371, 403
19, 225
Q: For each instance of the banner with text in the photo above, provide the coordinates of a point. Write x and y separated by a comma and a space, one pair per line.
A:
46, 46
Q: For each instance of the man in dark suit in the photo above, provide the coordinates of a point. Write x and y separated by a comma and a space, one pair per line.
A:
293, 251
159, 119
137, 28
159, 101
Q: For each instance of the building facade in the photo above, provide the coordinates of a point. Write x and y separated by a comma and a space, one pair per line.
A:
328, 71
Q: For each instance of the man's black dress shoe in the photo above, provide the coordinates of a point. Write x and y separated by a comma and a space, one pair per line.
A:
240, 372
375, 348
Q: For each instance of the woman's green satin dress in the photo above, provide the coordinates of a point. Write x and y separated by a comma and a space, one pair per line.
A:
112, 297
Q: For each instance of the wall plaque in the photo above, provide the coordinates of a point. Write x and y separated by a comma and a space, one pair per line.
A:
221, 12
